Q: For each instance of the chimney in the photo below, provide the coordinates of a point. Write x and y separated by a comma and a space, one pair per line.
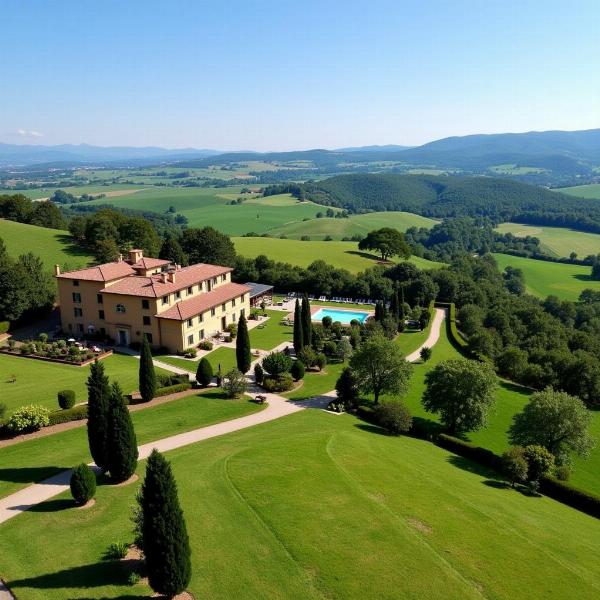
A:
171, 276
56, 270
135, 255
120, 258
163, 278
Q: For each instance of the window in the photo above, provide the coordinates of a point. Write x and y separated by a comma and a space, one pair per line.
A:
190, 290
223, 277
148, 337
202, 334
146, 320
177, 295
190, 322
200, 286
191, 339
99, 299
120, 308
201, 318
101, 315
233, 302
242, 313
76, 282
242, 297
165, 300
76, 297
145, 304
224, 306
233, 317
80, 327
212, 312
70, 327
215, 281
78, 312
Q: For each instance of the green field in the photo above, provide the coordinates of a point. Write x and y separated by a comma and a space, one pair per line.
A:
317, 229
557, 241
583, 191
37, 381
320, 506
544, 278
108, 189
52, 246
514, 169
344, 255
36, 459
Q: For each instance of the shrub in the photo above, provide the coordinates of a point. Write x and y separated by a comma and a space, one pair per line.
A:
12, 344
77, 413
514, 465
205, 345
336, 406
562, 473
346, 387
277, 363
116, 551
425, 353
327, 322
204, 372
258, 373
66, 399
190, 352
172, 389
4, 326
329, 348
394, 417
320, 361
297, 370
133, 578
234, 383
43, 337
308, 356
281, 383
28, 418
570, 495
481, 455
83, 484
26, 349
539, 460
232, 330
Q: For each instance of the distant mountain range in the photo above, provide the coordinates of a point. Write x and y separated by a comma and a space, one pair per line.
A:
547, 157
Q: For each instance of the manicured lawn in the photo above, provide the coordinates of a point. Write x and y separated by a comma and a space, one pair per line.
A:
315, 384
34, 460
319, 506
271, 332
510, 399
51, 245
345, 255
557, 241
38, 381
411, 339
544, 278
221, 356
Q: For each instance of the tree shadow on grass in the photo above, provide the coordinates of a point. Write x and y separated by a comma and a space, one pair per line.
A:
473, 467
583, 277
29, 474
369, 256
372, 429
48, 506
70, 247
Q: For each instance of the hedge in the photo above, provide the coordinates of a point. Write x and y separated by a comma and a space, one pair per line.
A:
568, 494
455, 335
172, 389
4, 326
66, 399
77, 413
476, 453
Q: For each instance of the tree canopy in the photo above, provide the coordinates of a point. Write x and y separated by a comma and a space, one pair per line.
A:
387, 241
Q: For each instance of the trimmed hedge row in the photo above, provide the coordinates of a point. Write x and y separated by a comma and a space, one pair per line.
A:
77, 413
568, 494
172, 389
476, 453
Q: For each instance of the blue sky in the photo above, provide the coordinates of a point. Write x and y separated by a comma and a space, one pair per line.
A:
278, 75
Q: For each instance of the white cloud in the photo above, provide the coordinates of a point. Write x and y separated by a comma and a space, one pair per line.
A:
31, 133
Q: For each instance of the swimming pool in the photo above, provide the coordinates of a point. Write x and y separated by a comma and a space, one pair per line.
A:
343, 316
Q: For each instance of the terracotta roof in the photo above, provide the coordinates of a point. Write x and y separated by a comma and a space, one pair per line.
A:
189, 308
150, 263
105, 272
153, 287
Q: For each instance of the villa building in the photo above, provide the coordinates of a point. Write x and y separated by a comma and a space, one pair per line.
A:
174, 307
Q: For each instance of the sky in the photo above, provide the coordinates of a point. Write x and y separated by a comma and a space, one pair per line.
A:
282, 75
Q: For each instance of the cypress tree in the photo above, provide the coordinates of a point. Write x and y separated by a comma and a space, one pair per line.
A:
242, 346
395, 306
306, 321
97, 424
298, 337
147, 376
204, 372
122, 443
378, 312
165, 539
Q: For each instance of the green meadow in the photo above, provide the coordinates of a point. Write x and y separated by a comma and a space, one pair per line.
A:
315, 505
583, 191
557, 241
543, 278
109, 189
51, 245
344, 255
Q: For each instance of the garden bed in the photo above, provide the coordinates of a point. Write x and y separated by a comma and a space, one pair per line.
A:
61, 361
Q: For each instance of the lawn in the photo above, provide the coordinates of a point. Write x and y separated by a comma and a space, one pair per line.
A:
37, 459
510, 399
317, 383
93, 189
223, 356
320, 506
271, 332
583, 191
51, 245
317, 229
544, 278
37, 381
344, 255
557, 241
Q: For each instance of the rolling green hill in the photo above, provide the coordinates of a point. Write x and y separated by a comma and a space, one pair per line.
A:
52, 246
583, 191
344, 255
318, 229
557, 241
544, 278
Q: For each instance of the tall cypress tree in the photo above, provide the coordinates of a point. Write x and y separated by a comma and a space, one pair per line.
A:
97, 424
165, 539
147, 377
394, 305
122, 443
242, 346
298, 337
306, 321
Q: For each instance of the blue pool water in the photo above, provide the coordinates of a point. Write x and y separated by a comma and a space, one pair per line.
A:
343, 316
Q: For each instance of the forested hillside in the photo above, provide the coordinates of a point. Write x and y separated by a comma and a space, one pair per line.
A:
441, 197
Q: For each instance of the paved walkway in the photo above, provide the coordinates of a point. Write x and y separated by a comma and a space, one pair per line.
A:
277, 407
